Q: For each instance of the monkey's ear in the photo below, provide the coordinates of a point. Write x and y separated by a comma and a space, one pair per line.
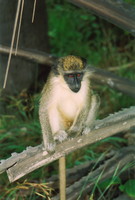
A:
84, 61
57, 66
54, 68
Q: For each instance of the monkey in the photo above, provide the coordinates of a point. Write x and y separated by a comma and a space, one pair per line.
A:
68, 106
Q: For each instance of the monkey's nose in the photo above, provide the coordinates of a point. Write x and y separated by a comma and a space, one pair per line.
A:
77, 85
76, 89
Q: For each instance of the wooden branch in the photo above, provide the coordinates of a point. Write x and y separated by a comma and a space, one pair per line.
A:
123, 85
116, 163
28, 54
117, 12
124, 66
34, 157
99, 75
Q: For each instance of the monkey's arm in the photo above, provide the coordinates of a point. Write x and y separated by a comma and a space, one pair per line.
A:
59, 134
48, 141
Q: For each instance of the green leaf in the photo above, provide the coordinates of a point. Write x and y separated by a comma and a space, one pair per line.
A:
84, 17
109, 182
129, 187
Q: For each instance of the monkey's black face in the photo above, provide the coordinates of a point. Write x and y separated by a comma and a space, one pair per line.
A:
74, 81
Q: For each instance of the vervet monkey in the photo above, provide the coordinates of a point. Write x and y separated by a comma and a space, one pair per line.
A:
68, 106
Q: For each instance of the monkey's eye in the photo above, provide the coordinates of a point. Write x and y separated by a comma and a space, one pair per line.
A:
70, 75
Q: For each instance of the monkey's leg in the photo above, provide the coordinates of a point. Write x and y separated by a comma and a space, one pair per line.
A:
89, 124
85, 118
77, 125
62, 177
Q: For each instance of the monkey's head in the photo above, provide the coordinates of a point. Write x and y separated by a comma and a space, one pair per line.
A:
72, 68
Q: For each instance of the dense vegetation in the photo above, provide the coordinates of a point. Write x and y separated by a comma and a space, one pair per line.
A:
71, 31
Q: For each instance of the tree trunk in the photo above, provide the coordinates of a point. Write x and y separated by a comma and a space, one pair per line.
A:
22, 73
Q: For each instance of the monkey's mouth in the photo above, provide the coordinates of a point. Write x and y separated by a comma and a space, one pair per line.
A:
75, 89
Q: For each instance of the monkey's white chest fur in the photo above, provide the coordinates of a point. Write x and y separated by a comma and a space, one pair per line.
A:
67, 102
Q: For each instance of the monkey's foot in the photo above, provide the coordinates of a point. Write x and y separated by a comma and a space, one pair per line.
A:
50, 147
74, 132
60, 136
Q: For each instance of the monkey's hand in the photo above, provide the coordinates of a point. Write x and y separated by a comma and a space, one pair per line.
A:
60, 136
49, 146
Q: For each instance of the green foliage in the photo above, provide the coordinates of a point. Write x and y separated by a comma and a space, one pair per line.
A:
74, 31
70, 30
132, 2
21, 123
129, 188
109, 182
115, 183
